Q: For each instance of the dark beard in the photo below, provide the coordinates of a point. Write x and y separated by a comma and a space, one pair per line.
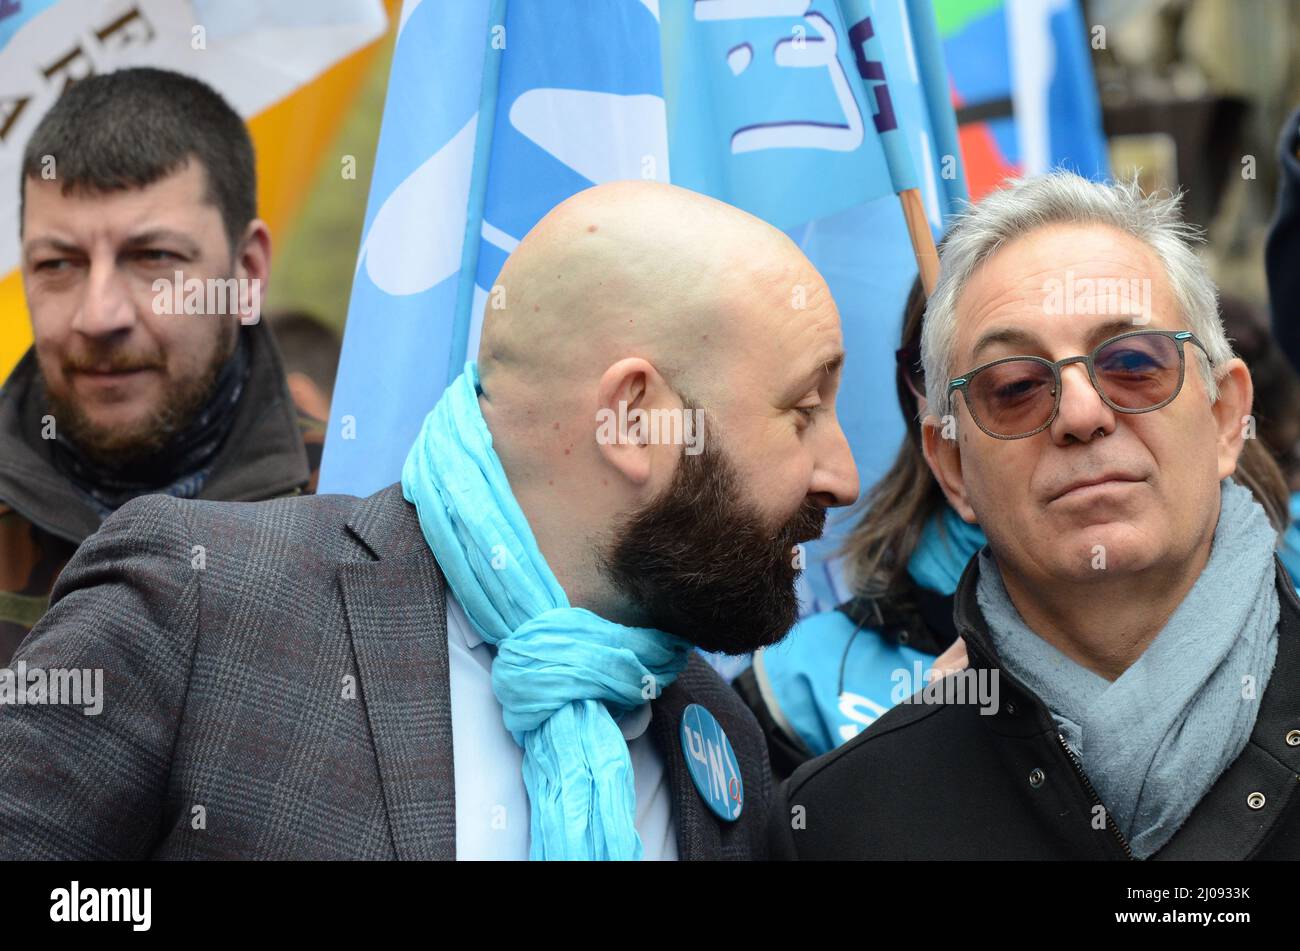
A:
700, 562
127, 450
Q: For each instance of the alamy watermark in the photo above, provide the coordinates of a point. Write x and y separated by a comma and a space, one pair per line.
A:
80, 904
1127, 297
675, 427
22, 685
214, 296
968, 685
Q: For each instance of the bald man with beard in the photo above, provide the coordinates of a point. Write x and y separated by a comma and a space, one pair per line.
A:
495, 657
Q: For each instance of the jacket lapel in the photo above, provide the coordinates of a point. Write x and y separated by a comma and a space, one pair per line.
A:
396, 611
698, 838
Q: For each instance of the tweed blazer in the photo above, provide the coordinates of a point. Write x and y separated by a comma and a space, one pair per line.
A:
275, 686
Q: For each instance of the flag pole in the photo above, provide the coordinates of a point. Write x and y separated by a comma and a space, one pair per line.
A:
469, 254
869, 57
918, 229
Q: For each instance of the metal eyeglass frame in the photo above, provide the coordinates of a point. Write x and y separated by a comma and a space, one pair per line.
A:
1179, 336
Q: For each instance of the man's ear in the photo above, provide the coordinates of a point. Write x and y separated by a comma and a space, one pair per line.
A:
253, 264
1231, 412
627, 392
942, 453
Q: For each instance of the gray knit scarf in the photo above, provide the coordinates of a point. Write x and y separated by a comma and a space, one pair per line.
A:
1154, 741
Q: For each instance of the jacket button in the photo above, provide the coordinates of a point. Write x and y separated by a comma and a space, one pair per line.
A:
1255, 800
1036, 778
1010, 708
1293, 738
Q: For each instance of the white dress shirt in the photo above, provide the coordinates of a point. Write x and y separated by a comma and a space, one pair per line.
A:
492, 819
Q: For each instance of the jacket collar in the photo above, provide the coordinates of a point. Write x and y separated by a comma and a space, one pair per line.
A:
263, 455
969, 619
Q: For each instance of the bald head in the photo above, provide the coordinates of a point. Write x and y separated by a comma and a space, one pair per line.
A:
630, 268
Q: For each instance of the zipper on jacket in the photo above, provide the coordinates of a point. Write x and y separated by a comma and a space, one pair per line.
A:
968, 636
1096, 800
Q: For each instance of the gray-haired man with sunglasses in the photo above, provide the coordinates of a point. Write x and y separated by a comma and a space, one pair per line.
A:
1141, 638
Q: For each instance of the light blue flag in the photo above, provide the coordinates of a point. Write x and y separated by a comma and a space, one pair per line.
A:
15, 14
498, 111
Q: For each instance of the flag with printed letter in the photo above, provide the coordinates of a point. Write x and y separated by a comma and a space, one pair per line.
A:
811, 114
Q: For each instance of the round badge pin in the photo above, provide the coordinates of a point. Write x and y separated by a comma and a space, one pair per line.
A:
712, 763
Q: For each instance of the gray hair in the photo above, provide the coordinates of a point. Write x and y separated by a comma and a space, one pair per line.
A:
1063, 197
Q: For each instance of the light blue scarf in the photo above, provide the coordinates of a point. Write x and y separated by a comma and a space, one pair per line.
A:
947, 543
1154, 741
561, 673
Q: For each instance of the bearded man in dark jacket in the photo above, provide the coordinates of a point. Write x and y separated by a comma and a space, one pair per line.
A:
139, 206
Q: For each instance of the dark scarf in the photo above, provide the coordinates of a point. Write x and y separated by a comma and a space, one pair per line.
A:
182, 468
